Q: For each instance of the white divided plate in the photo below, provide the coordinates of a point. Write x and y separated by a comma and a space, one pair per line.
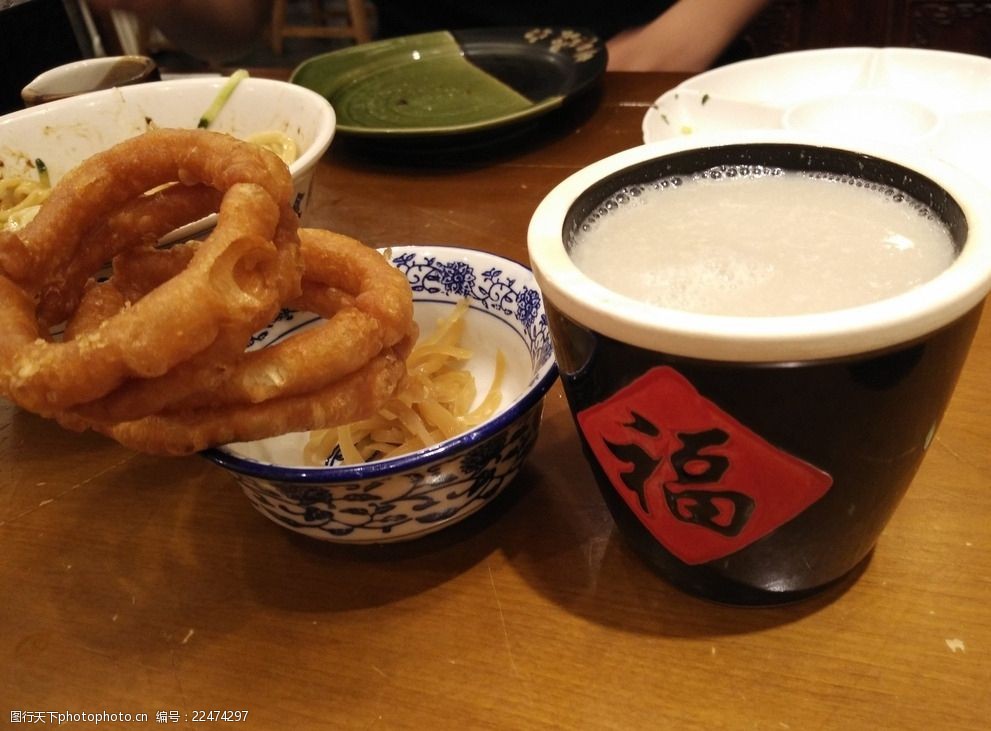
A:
939, 101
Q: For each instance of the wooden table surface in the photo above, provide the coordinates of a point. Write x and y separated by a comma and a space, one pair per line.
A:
135, 584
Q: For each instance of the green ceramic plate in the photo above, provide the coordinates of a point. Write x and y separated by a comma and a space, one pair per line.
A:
453, 82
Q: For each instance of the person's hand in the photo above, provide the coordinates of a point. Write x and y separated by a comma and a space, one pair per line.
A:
688, 36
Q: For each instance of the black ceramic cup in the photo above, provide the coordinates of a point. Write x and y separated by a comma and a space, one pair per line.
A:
756, 460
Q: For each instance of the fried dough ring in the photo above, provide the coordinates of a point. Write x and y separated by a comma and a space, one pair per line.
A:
100, 185
155, 357
337, 263
145, 220
310, 360
229, 281
377, 313
248, 265
353, 397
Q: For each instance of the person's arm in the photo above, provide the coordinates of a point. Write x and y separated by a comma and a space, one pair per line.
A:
214, 30
688, 36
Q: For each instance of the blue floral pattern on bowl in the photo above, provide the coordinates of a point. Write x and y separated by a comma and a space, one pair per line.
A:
410, 503
493, 289
412, 495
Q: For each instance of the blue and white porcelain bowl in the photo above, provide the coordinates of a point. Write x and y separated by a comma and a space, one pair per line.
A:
409, 496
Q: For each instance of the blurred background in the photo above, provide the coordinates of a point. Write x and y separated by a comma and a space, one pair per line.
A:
39, 34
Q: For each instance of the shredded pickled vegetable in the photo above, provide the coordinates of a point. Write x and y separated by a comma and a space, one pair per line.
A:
20, 198
221, 99
434, 403
281, 144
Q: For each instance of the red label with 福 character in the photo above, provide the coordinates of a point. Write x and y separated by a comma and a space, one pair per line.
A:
701, 482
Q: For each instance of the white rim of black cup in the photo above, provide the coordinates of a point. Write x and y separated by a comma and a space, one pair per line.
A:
866, 328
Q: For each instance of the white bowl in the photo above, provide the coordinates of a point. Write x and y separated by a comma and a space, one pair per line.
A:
419, 493
65, 132
89, 74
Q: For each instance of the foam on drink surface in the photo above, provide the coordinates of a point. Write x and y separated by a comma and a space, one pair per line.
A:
756, 241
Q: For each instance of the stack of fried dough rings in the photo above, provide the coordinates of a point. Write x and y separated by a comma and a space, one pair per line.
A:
156, 355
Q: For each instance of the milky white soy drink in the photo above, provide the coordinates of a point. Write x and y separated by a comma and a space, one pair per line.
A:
757, 241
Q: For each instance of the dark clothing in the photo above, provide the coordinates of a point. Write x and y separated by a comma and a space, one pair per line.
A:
36, 35
605, 17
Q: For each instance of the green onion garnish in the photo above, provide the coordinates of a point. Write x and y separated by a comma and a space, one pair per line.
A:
42, 169
222, 96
